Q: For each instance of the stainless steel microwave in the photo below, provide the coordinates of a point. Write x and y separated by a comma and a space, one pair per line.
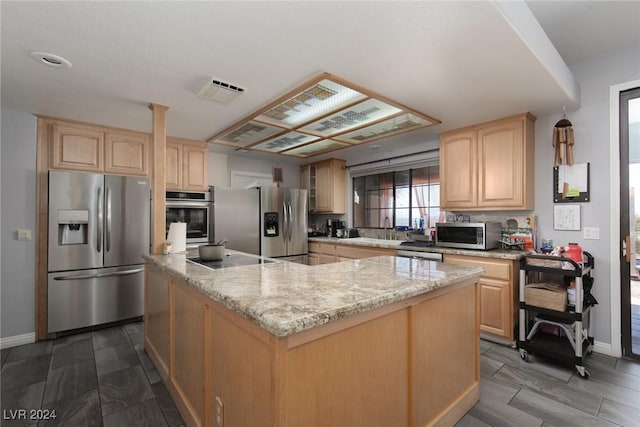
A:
468, 235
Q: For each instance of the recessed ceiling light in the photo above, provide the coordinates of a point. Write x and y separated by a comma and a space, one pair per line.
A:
50, 59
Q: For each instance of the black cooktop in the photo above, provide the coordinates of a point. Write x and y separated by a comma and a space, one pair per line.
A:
231, 260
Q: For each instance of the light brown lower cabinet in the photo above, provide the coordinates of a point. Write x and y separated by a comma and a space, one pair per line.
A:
410, 363
327, 253
498, 293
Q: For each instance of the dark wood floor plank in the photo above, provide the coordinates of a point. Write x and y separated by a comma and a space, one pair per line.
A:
109, 337
70, 380
23, 372
116, 358
597, 386
628, 367
489, 366
620, 414
30, 350
554, 412
70, 351
549, 387
470, 421
498, 414
497, 391
512, 356
146, 413
122, 389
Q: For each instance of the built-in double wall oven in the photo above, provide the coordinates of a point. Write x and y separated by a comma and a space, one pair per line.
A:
194, 209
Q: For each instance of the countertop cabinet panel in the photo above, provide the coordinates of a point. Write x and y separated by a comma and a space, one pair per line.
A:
173, 171
489, 166
186, 165
326, 253
77, 147
127, 154
326, 182
97, 149
458, 166
498, 293
156, 318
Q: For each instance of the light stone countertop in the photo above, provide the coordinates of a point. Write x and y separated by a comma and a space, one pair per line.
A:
395, 244
285, 298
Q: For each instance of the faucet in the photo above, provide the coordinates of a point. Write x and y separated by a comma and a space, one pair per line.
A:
387, 224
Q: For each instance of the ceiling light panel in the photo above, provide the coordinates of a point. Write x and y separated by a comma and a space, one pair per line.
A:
285, 142
395, 125
316, 148
311, 103
249, 133
324, 114
357, 115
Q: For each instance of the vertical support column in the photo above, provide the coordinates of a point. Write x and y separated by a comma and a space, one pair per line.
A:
158, 181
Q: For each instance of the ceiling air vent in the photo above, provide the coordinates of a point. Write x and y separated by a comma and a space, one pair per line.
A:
220, 91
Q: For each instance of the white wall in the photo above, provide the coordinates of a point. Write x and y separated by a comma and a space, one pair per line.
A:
18, 210
291, 171
591, 129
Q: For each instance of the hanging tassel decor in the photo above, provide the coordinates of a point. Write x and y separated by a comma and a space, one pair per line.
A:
563, 142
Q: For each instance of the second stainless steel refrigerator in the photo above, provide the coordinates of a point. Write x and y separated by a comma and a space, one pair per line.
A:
265, 221
98, 232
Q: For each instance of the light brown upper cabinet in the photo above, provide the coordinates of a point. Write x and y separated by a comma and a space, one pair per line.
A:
326, 182
96, 149
187, 165
489, 166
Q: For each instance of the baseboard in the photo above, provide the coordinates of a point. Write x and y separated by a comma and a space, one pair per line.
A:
17, 340
605, 348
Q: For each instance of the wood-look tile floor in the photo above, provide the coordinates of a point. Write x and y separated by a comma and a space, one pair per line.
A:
104, 378
99, 378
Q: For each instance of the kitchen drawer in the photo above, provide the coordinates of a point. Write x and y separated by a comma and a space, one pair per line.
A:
327, 248
314, 247
358, 252
494, 268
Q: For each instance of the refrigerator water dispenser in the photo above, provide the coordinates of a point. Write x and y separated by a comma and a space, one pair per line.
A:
271, 228
73, 227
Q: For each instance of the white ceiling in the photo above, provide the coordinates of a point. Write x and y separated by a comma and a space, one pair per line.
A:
460, 62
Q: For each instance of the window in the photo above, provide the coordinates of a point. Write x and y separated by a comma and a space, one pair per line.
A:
402, 196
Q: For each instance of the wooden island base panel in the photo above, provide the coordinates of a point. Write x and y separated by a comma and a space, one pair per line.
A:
413, 361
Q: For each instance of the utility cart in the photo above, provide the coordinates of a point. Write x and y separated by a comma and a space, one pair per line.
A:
548, 325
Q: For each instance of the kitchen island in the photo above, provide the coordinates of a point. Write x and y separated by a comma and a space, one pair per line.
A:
382, 341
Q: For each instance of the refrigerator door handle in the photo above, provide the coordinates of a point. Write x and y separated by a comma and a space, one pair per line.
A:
285, 221
108, 222
98, 275
100, 221
290, 232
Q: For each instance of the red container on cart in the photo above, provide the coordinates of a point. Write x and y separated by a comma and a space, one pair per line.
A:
574, 252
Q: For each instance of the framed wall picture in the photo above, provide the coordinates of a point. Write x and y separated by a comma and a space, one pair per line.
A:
571, 183
566, 217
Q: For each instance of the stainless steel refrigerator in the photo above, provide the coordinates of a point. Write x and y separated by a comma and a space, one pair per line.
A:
265, 221
98, 231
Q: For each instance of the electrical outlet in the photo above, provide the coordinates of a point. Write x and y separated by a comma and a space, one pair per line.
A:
24, 235
219, 412
591, 233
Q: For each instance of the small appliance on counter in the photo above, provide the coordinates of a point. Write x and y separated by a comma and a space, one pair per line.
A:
333, 225
468, 235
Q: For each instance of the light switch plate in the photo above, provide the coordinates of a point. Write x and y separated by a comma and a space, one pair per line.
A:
24, 235
591, 233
